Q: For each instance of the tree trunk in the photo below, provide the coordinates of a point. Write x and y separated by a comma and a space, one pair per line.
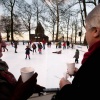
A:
57, 21
29, 32
8, 37
12, 38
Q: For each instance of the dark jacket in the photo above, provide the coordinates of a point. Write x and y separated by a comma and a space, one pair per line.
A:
28, 50
85, 84
15, 44
34, 46
6, 88
39, 46
76, 54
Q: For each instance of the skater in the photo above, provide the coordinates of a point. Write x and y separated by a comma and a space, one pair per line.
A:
40, 48
58, 52
4, 46
27, 52
76, 56
43, 43
15, 46
34, 47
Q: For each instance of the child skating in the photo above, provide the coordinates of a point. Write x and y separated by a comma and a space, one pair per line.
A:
76, 56
27, 52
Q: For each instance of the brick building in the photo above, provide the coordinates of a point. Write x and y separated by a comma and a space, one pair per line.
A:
39, 34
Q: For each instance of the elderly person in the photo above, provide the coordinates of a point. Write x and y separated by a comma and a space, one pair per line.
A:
86, 84
10, 88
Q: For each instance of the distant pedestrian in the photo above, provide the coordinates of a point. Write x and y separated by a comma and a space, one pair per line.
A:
34, 47
59, 44
76, 56
49, 44
68, 44
56, 45
43, 42
4, 46
40, 48
15, 46
64, 45
72, 45
27, 52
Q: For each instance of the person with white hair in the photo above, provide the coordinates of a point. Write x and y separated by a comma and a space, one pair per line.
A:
85, 84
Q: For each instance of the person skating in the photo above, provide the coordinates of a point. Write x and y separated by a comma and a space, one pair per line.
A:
76, 56
4, 46
15, 45
34, 47
40, 48
27, 52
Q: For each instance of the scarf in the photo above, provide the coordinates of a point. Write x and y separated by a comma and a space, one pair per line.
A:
90, 51
5, 74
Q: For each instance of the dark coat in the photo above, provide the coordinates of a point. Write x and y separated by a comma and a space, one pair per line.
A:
39, 46
6, 89
3, 44
15, 44
76, 54
34, 46
86, 83
28, 50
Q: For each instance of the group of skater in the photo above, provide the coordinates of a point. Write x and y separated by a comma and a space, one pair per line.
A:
64, 44
32, 47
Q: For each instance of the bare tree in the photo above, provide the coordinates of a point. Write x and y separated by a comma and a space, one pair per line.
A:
84, 11
55, 8
9, 5
6, 25
51, 19
25, 13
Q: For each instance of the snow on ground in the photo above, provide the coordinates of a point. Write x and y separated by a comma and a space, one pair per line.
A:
49, 66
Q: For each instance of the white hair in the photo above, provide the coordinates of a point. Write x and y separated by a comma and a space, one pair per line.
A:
93, 18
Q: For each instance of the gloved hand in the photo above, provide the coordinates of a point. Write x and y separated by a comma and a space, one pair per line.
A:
24, 90
39, 88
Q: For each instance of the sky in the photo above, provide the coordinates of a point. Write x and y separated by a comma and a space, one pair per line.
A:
1, 9
29, 1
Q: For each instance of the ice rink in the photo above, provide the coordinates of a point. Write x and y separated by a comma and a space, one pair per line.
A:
49, 66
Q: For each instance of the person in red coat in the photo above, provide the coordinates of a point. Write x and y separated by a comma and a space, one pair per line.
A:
43, 42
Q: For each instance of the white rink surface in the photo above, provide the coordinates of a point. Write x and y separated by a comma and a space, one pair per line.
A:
49, 66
